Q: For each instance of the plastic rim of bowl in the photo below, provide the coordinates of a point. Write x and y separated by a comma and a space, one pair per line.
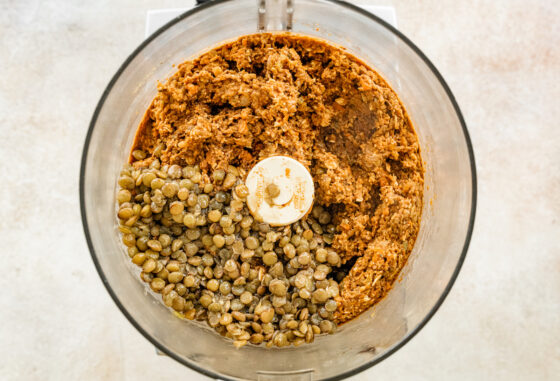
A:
468, 236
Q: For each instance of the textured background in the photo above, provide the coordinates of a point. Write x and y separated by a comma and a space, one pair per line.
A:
501, 320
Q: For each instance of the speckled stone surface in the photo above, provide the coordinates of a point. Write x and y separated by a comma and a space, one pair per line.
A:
501, 321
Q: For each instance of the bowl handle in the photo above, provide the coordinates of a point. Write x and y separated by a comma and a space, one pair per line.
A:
275, 15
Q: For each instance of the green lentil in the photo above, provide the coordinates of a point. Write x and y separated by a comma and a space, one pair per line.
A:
270, 258
219, 175
251, 243
229, 181
189, 220
183, 194
214, 215
321, 255
289, 251
157, 183
242, 191
213, 285
219, 240
225, 221
123, 196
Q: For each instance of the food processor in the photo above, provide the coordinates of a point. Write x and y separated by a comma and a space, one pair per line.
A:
449, 190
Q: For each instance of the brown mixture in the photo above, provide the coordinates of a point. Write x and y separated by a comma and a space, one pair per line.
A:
283, 94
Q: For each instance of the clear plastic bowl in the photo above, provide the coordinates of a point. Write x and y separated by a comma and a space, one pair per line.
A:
449, 204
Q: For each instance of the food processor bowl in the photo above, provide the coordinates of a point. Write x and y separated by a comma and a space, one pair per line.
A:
449, 191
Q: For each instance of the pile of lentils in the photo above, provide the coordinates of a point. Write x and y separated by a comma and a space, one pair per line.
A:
199, 247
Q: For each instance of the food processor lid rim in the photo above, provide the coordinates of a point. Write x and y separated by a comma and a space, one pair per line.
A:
468, 235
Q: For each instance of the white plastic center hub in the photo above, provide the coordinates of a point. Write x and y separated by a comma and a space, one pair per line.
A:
281, 190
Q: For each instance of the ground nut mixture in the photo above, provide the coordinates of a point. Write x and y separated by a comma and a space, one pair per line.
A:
278, 94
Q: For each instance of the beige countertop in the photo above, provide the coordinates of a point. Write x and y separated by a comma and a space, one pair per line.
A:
501, 320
